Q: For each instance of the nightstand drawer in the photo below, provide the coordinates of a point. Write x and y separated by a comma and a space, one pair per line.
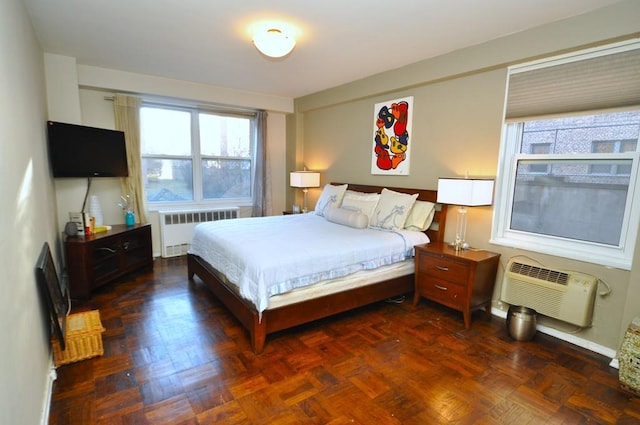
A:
442, 291
443, 268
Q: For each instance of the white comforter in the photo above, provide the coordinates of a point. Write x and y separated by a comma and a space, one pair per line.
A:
271, 255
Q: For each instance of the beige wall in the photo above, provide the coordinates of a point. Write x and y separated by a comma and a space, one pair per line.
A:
457, 124
27, 214
77, 94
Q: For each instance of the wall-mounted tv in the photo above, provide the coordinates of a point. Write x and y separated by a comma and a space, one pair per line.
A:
81, 151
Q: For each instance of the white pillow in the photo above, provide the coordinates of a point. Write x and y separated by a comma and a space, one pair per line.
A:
346, 217
364, 203
421, 216
392, 210
331, 197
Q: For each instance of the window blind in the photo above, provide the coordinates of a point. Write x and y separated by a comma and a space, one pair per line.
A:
604, 79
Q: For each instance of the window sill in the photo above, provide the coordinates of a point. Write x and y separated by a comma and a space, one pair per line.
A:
190, 206
599, 257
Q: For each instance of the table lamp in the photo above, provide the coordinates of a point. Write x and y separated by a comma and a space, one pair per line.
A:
465, 192
304, 180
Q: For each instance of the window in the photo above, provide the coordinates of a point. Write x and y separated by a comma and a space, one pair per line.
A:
612, 146
567, 182
539, 149
191, 155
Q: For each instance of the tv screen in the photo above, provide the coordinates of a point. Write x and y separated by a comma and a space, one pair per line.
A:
81, 151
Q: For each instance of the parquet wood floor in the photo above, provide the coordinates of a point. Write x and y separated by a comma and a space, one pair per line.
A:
174, 355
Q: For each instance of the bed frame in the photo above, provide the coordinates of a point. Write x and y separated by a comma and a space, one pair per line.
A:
288, 316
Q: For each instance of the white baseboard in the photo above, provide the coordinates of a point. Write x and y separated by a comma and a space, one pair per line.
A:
51, 377
570, 338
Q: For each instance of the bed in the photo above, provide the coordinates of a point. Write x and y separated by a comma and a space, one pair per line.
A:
322, 299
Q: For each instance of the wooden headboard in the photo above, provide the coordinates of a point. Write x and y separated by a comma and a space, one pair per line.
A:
436, 231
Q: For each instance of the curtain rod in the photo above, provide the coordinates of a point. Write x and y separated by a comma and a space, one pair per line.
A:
214, 107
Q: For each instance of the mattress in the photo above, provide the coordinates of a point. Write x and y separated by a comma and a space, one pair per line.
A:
352, 281
268, 256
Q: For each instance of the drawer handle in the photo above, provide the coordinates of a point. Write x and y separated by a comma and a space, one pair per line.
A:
106, 249
444, 269
442, 288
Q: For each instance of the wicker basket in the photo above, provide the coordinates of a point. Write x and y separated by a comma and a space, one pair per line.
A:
83, 338
629, 374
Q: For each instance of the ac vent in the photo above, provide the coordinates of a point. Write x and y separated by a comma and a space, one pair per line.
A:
535, 272
569, 297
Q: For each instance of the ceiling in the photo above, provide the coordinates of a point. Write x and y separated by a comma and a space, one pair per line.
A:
209, 41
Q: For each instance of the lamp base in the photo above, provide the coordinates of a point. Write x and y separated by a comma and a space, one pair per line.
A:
304, 205
459, 246
461, 229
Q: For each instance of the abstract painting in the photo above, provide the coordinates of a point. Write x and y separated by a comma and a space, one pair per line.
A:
391, 132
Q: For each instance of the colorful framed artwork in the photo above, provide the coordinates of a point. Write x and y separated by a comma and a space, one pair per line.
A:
391, 133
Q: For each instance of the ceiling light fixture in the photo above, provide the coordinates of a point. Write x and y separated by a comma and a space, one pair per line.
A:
274, 42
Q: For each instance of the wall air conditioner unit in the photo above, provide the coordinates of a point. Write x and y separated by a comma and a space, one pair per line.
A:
566, 296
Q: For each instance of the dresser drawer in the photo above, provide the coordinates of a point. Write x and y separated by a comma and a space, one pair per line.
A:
442, 291
443, 268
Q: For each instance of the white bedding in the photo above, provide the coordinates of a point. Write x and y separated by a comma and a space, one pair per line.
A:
267, 256
341, 284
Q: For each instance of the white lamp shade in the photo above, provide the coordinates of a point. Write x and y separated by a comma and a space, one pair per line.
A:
304, 179
274, 42
466, 192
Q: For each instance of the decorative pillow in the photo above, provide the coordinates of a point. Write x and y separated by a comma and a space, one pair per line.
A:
346, 217
421, 216
392, 210
361, 202
331, 197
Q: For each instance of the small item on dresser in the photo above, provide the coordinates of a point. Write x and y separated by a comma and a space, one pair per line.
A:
78, 219
87, 223
127, 207
95, 210
129, 218
71, 229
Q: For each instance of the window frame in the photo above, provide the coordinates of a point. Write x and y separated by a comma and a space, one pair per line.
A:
196, 158
533, 146
617, 144
620, 256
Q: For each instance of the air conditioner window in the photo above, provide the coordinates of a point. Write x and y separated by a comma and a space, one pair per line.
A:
568, 187
568, 201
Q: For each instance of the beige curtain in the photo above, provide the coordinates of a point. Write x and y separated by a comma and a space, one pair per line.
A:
127, 117
262, 175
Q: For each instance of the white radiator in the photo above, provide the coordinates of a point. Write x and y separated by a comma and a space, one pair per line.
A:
567, 296
176, 227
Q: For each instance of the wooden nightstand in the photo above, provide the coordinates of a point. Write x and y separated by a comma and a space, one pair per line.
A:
462, 280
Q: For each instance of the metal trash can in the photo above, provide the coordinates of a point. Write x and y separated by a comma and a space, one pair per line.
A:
521, 323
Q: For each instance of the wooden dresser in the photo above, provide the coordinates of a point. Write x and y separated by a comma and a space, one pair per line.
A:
462, 280
97, 259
